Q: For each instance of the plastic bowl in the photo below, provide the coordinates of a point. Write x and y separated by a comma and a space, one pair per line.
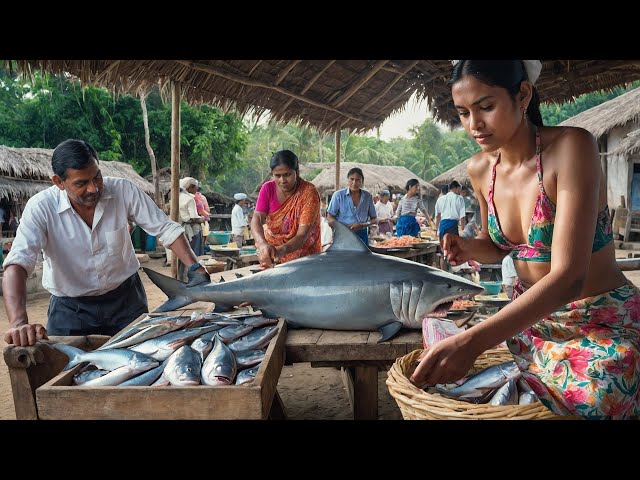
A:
492, 288
219, 238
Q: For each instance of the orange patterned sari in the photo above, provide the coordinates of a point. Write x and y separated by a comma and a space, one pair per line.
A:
301, 208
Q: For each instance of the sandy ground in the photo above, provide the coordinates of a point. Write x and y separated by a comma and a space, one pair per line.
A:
307, 393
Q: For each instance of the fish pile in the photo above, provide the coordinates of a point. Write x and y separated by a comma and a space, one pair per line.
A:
204, 348
498, 385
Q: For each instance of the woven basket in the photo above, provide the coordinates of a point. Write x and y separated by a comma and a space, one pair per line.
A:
416, 404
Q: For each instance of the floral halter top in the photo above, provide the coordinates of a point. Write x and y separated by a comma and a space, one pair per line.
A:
540, 235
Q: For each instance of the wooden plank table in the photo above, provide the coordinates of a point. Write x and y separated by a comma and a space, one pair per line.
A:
356, 352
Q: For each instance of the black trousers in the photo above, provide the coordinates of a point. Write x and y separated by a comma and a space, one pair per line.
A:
105, 314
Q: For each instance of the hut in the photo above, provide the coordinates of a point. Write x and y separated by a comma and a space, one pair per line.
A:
459, 173
27, 171
616, 124
376, 178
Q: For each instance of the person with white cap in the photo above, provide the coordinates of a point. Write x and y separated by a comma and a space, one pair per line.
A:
238, 218
81, 225
573, 324
189, 219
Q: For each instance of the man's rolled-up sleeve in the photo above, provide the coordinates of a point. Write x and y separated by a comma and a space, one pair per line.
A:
150, 218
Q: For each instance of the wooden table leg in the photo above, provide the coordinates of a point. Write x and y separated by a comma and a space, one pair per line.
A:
365, 393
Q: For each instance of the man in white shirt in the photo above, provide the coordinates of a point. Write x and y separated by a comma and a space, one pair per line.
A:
81, 225
450, 212
189, 220
238, 218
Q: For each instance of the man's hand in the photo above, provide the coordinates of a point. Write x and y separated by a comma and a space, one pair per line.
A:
25, 335
197, 277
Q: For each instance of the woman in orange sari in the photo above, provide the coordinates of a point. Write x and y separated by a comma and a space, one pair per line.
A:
286, 221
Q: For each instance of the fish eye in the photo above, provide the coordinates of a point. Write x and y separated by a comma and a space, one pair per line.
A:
448, 285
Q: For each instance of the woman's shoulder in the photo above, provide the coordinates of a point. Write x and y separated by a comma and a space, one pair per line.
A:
480, 163
561, 137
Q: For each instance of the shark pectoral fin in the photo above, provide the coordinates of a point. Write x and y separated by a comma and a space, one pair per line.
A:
389, 330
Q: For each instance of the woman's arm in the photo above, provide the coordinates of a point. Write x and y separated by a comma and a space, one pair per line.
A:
266, 252
578, 172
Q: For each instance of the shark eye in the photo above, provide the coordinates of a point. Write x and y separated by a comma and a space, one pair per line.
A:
448, 285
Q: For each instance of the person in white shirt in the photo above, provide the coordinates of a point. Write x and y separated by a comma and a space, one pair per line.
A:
384, 211
450, 212
238, 218
190, 220
81, 225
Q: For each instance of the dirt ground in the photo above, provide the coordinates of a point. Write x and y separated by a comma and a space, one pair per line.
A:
307, 393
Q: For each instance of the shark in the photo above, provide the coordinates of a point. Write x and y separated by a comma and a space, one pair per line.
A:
347, 287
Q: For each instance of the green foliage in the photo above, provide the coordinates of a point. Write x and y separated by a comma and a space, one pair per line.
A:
50, 109
553, 114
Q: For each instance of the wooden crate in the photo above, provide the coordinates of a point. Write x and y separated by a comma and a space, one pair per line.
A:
58, 399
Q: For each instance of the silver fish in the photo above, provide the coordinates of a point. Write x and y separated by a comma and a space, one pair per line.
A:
183, 367
249, 358
247, 375
345, 288
108, 359
506, 394
142, 325
115, 377
478, 387
83, 377
220, 366
147, 378
256, 339
162, 347
203, 345
231, 332
259, 321
526, 393
151, 331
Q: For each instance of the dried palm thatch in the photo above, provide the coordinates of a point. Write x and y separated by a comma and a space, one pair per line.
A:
613, 113
27, 171
376, 178
458, 173
629, 146
327, 94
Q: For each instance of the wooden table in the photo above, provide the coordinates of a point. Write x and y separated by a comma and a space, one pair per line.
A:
357, 353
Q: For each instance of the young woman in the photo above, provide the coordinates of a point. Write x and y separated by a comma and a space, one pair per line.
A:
289, 206
574, 324
407, 210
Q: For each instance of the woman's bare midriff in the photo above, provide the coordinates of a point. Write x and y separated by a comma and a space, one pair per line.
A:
604, 274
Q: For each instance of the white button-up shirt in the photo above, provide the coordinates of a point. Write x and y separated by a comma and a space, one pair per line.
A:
79, 261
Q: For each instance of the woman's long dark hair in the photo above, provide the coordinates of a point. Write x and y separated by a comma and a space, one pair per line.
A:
507, 74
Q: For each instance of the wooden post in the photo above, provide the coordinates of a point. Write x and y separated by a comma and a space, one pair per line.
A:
337, 159
175, 163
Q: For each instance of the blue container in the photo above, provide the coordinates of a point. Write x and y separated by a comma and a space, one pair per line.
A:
219, 238
492, 288
150, 244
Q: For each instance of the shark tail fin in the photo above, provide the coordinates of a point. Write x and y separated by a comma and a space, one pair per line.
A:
179, 295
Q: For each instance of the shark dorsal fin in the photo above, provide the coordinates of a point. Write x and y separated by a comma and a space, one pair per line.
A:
344, 240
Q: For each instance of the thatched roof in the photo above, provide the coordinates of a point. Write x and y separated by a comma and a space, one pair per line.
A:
612, 113
376, 178
459, 173
630, 145
352, 94
26, 171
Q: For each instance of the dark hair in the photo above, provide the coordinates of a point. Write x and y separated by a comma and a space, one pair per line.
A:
75, 154
286, 158
453, 185
411, 183
444, 189
355, 170
508, 74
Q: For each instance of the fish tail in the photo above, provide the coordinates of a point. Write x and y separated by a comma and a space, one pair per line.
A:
70, 351
177, 291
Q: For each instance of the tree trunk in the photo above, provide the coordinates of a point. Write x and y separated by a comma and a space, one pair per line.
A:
157, 197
